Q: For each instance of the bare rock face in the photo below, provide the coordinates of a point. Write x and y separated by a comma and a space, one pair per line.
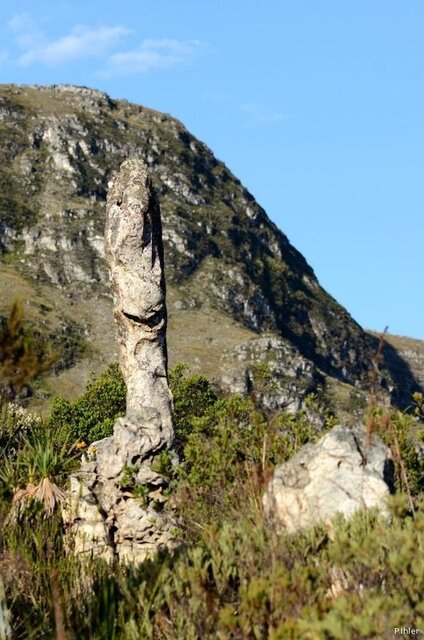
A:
341, 473
117, 498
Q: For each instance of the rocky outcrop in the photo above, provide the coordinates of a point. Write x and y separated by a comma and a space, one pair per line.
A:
271, 369
116, 500
341, 473
402, 353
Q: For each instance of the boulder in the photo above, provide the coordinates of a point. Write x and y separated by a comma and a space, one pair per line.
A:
343, 472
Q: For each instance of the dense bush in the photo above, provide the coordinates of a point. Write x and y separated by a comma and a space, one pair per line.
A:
402, 432
193, 396
93, 414
228, 455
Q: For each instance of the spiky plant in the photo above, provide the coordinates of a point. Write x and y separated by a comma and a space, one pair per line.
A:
43, 464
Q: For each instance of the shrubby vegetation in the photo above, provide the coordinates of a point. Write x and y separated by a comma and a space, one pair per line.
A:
233, 577
92, 415
357, 580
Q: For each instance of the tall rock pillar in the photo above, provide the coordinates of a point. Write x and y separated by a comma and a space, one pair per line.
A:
134, 252
117, 504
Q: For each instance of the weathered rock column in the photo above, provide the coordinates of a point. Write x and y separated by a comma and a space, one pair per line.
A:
116, 506
134, 252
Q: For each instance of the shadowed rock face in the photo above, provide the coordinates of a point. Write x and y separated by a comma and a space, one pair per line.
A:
105, 516
134, 252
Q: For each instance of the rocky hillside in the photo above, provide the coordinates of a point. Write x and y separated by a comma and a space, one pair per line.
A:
400, 351
239, 293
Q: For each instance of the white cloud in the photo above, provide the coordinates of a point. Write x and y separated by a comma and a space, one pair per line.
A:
152, 54
261, 113
88, 42
80, 42
27, 33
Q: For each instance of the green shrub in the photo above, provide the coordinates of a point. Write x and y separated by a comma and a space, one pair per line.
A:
193, 396
92, 415
228, 456
39, 469
418, 405
398, 429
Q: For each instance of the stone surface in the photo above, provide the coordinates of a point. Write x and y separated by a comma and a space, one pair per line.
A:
134, 252
117, 508
291, 376
341, 473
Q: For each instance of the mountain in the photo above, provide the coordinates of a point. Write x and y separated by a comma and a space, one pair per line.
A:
239, 294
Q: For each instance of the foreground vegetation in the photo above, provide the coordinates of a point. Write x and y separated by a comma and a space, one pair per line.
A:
232, 577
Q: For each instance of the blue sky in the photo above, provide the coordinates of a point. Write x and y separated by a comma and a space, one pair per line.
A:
316, 105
